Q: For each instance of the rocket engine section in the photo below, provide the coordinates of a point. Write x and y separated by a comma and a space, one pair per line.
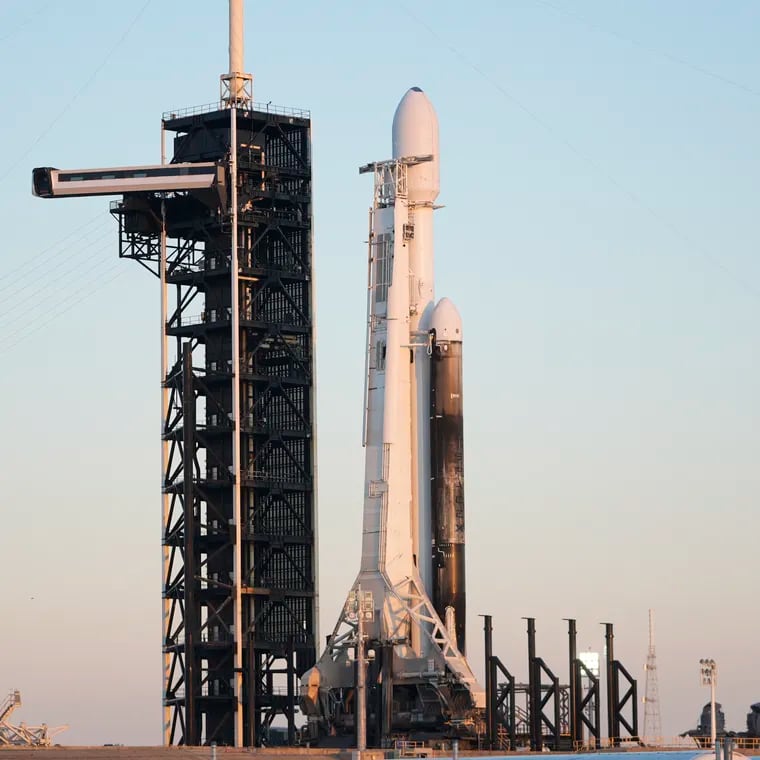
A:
447, 468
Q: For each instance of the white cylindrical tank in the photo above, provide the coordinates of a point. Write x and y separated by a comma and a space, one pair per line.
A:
415, 133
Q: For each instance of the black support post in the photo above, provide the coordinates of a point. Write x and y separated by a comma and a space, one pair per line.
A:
629, 697
192, 611
490, 683
387, 694
534, 689
589, 708
251, 676
505, 703
573, 717
613, 727
493, 735
291, 708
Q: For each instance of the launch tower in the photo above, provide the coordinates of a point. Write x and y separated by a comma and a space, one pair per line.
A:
226, 226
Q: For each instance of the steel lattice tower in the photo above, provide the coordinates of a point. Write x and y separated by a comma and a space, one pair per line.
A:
226, 227
652, 718
239, 508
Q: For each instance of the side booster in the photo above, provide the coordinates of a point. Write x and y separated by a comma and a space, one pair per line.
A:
447, 468
405, 613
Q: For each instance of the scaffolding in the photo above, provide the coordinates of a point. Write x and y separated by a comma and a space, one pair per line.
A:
21, 735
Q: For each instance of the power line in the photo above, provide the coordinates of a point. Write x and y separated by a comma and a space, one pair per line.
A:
55, 245
83, 293
54, 261
25, 22
634, 197
87, 83
36, 298
649, 49
54, 268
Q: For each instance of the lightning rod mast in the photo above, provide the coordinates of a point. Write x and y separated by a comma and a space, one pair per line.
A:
652, 718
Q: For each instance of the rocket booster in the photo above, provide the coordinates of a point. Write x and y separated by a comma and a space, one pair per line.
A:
447, 458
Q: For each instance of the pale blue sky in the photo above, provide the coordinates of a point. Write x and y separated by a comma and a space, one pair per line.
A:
599, 168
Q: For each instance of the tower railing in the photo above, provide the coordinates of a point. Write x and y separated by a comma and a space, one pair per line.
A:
180, 113
663, 742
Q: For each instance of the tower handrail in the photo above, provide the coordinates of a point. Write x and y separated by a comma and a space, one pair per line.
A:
12, 701
179, 113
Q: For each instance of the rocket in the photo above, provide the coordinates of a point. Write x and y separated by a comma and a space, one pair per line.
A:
407, 605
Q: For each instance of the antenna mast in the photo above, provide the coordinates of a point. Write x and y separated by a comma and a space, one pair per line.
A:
652, 718
236, 87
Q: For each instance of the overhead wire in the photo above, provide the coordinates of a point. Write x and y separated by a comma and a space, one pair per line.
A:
10, 341
633, 196
79, 92
656, 51
15, 30
52, 290
19, 274
68, 264
49, 249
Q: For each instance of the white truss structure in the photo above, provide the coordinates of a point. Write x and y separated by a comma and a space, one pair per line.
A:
22, 735
652, 717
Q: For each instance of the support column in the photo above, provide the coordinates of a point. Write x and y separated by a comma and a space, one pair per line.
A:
387, 693
165, 498
574, 697
291, 674
613, 728
192, 612
236, 458
361, 682
490, 717
251, 676
534, 689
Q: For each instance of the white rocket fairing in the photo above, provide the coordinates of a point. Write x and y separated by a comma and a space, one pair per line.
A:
396, 576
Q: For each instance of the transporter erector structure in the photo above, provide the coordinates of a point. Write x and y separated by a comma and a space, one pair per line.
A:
405, 613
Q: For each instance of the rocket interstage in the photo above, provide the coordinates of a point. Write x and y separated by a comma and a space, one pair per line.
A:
408, 601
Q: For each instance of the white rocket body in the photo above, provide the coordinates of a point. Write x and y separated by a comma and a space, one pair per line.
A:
415, 133
396, 560
401, 302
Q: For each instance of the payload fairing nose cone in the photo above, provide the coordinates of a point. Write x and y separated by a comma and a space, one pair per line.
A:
415, 133
446, 321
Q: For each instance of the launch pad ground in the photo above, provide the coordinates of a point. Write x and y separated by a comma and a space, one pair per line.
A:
291, 753
166, 753
222, 753
198, 753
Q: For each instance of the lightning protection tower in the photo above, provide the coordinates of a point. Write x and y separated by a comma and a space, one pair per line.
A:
652, 719
226, 226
